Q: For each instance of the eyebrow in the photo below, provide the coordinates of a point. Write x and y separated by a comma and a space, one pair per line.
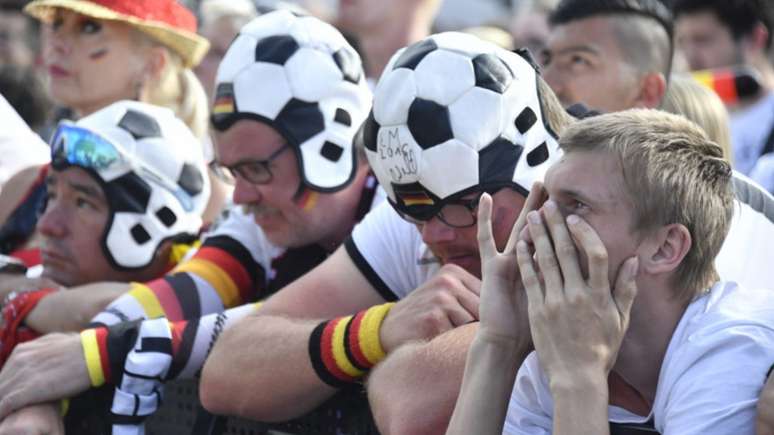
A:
572, 49
86, 190
582, 197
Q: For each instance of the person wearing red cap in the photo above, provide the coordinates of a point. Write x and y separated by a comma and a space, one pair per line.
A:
146, 47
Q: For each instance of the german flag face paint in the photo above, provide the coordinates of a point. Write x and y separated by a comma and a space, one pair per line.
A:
307, 199
224, 100
98, 54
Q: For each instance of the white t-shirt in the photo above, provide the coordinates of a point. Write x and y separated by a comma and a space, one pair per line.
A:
20, 147
713, 371
390, 253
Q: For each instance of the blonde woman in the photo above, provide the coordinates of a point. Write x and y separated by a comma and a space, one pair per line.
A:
100, 51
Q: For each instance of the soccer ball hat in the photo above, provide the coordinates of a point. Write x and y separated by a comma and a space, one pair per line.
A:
453, 114
151, 169
300, 76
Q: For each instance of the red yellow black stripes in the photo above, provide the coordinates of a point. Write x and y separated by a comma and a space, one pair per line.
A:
94, 343
232, 267
730, 84
342, 350
722, 82
352, 339
224, 104
418, 198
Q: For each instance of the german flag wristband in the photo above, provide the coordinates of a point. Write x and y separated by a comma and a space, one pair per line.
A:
342, 350
95, 354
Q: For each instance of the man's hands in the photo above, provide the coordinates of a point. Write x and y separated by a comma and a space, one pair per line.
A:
40, 419
578, 324
448, 300
503, 301
49, 368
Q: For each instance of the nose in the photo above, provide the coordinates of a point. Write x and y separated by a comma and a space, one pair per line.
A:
53, 222
57, 41
246, 192
435, 231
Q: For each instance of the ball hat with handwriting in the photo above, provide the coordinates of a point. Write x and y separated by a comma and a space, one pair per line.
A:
453, 115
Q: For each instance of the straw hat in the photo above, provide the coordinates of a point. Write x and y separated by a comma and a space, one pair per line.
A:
167, 21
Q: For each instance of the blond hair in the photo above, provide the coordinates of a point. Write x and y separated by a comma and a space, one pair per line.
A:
687, 97
554, 113
179, 89
674, 175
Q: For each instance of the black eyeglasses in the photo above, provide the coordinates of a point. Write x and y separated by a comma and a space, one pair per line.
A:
252, 171
457, 213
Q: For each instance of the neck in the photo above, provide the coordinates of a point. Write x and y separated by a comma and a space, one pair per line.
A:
654, 318
380, 43
347, 202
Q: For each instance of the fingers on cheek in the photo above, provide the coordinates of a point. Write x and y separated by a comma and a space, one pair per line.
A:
525, 235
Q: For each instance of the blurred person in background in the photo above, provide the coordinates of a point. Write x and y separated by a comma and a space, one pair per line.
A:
146, 48
529, 25
623, 47
221, 21
689, 98
18, 35
723, 33
454, 15
493, 34
381, 27
25, 92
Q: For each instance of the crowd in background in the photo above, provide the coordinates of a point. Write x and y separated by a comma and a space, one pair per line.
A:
702, 48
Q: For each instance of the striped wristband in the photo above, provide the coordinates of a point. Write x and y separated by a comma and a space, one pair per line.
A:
342, 350
95, 354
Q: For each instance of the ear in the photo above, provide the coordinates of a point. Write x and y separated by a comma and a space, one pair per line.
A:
755, 41
652, 90
665, 249
156, 62
164, 251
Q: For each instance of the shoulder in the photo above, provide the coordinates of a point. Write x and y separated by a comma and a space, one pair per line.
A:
731, 329
716, 363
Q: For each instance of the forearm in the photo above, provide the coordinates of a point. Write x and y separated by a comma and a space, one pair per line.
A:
268, 355
490, 371
414, 389
221, 275
72, 310
580, 405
